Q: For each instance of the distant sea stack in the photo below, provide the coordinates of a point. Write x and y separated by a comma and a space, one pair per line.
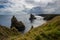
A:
32, 17
18, 25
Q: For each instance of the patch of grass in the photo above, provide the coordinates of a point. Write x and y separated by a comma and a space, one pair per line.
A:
6, 32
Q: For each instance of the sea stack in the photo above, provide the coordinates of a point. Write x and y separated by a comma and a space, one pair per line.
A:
18, 25
32, 17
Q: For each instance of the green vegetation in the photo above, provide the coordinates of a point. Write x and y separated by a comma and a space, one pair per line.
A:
6, 32
47, 31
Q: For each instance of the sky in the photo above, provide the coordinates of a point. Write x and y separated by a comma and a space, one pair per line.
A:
16, 7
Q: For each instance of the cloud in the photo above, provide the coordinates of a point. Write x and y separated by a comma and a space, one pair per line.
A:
49, 7
32, 3
29, 1
36, 10
53, 7
12, 7
46, 1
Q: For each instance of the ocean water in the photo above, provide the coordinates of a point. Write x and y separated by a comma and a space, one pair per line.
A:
5, 20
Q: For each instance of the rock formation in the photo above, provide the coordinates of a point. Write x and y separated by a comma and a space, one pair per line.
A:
48, 17
32, 18
18, 25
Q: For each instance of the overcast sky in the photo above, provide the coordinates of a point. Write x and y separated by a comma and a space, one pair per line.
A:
29, 6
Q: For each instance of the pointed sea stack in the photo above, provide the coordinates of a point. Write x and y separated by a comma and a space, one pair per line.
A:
18, 25
32, 18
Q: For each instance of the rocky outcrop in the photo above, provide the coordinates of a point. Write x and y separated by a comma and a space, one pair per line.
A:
48, 17
18, 25
32, 17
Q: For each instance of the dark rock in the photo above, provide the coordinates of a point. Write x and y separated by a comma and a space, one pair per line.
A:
48, 17
32, 27
32, 18
18, 25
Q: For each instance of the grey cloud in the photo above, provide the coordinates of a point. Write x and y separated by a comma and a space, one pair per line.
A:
3, 1
29, 1
36, 10
32, 2
51, 7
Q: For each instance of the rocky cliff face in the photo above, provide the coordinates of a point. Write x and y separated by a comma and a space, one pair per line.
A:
18, 25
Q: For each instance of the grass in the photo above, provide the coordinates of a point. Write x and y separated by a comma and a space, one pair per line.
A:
6, 32
47, 31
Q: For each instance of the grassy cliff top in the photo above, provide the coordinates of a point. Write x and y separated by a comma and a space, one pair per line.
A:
6, 32
47, 31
